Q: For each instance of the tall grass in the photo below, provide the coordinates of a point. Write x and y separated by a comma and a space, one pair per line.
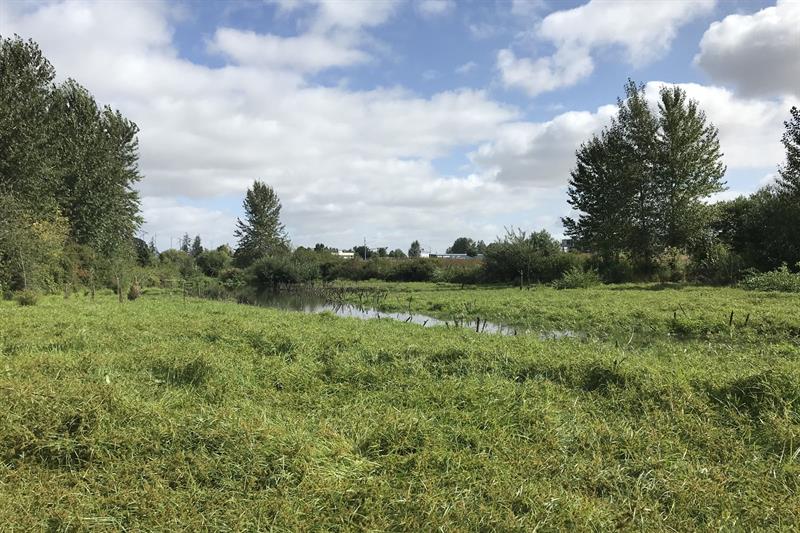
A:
164, 415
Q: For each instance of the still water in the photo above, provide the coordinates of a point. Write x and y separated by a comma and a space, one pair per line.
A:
308, 302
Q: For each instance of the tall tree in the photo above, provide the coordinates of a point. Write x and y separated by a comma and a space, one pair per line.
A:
27, 159
97, 171
689, 167
197, 247
638, 185
415, 250
790, 172
599, 189
261, 233
186, 243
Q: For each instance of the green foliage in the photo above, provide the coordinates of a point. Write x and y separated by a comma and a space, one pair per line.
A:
459, 271
197, 247
261, 233
716, 264
639, 184
790, 171
577, 278
761, 228
207, 415
782, 280
179, 262
67, 170
213, 262
270, 272
537, 257
464, 245
26, 297
415, 250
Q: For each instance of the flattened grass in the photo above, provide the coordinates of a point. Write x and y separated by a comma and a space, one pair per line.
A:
162, 415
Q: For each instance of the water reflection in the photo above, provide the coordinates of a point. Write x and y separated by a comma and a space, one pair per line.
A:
309, 302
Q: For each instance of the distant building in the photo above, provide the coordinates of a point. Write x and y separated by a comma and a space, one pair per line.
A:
567, 245
457, 256
344, 255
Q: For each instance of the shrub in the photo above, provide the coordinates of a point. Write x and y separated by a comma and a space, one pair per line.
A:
270, 272
26, 297
577, 278
671, 265
538, 256
460, 271
410, 270
134, 291
213, 262
718, 265
782, 280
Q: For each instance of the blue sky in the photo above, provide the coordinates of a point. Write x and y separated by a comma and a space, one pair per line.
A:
408, 119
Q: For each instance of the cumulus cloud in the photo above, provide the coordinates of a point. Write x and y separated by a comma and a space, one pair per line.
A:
749, 128
759, 54
644, 30
539, 154
341, 160
305, 53
166, 220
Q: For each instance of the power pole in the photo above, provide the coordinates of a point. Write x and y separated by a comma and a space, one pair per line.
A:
365, 248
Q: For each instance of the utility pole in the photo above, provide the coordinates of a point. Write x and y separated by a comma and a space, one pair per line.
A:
365, 248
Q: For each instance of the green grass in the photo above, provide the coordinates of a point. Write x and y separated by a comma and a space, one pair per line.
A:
610, 311
160, 415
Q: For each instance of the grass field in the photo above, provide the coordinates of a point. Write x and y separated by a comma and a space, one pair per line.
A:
609, 311
163, 415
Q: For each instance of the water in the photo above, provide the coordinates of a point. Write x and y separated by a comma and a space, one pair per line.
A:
307, 302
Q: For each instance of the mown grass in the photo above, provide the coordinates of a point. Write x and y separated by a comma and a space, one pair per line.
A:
163, 415
610, 311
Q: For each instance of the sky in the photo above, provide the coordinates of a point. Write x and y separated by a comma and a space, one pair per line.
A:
396, 120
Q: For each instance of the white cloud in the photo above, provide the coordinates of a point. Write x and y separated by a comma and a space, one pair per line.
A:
644, 30
435, 8
166, 220
759, 54
539, 154
749, 128
566, 67
467, 67
305, 53
343, 162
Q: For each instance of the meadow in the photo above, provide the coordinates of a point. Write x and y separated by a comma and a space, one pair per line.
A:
647, 311
160, 414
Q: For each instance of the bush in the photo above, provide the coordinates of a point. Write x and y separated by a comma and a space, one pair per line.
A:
782, 280
671, 265
410, 270
577, 278
134, 291
26, 297
538, 256
460, 271
213, 262
269, 272
618, 270
719, 265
